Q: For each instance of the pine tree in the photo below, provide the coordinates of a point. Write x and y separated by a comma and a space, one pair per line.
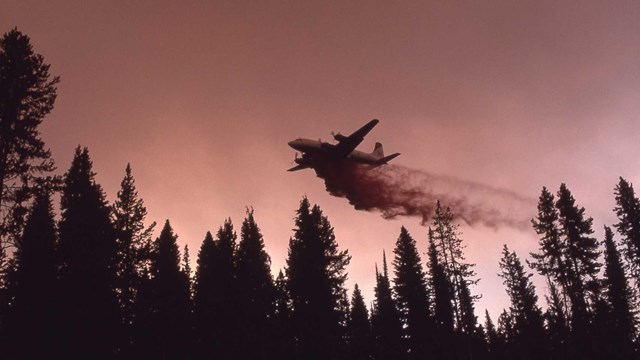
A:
316, 272
628, 211
27, 95
133, 240
410, 285
255, 292
385, 319
33, 286
442, 290
550, 259
581, 256
446, 238
87, 254
620, 326
528, 324
166, 320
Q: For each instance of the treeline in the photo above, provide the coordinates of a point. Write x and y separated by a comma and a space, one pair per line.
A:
91, 282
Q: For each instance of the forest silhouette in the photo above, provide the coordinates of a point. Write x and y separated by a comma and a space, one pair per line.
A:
91, 282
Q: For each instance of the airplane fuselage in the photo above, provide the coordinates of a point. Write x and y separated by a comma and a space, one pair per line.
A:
344, 150
315, 147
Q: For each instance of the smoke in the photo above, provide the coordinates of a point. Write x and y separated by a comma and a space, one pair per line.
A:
400, 191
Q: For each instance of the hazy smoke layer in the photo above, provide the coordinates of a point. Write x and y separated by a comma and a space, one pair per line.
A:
397, 190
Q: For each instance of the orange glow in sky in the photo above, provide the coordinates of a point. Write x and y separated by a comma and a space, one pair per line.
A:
202, 97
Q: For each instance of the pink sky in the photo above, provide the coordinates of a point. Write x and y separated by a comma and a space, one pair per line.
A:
201, 98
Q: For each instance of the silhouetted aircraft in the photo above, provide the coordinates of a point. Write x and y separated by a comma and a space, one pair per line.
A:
345, 149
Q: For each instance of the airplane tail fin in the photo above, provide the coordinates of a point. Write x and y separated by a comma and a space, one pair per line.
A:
377, 151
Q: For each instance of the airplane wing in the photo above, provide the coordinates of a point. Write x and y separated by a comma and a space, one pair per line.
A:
299, 167
346, 144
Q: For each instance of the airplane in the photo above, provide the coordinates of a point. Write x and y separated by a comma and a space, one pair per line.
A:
345, 149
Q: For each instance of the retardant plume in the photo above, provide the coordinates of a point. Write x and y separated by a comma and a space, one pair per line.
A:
400, 191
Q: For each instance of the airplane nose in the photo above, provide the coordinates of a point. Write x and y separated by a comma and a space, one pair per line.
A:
293, 144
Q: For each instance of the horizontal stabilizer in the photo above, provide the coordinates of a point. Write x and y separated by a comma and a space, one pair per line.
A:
299, 167
386, 159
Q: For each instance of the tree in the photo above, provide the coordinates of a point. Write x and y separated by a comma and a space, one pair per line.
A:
494, 344
385, 319
549, 261
581, 256
442, 290
87, 254
628, 211
620, 325
410, 285
316, 275
133, 241
528, 324
204, 296
27, 95
33, 286
358, 328
165, 320
283, 339
255, 292
450, 250
557, 323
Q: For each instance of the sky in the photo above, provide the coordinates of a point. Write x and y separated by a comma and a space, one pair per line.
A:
201, 97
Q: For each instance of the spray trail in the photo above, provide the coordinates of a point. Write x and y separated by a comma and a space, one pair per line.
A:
400, 191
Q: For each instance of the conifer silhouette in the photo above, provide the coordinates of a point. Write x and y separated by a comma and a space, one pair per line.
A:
315, 280
255, 293
358, 328
385, 319
34, 287
410, 285
87, 254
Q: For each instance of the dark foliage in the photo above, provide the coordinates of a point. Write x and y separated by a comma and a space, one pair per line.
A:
385, 319
410, 285
359, 343
33, 286
316, 276
87, 261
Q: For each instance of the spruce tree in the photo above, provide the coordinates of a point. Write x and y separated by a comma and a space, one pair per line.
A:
410, 285
33, 286
87, 254
205, 291
494, 345
165, 321
385, 319
225, 301
358, 328
255, 292
316, 272
627, 210
620, 325
556, 323
283, 337
529, 337
133, 240
27, 96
